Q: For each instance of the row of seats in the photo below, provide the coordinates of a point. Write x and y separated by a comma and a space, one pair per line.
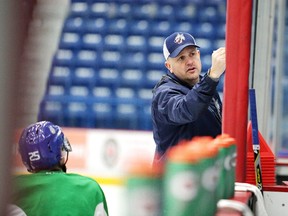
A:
110, 57
124, 27
212, 11
97, 39
116, 60
92, 112
98, 91
69, 76
83, 91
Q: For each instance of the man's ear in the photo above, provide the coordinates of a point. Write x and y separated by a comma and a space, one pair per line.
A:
168, 66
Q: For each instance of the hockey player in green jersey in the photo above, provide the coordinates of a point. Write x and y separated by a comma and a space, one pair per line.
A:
49, 190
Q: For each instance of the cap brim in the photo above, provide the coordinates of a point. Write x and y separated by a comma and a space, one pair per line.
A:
180, 48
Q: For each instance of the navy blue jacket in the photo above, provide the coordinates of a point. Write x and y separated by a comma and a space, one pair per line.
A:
180, 112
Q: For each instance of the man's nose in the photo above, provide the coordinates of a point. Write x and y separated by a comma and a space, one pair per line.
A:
190, 60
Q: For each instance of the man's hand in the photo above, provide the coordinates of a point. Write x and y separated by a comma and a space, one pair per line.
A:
218, 63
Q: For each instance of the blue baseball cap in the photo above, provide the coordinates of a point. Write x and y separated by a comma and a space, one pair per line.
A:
176, 42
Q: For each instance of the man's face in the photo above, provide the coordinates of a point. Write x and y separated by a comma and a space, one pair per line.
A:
186, 66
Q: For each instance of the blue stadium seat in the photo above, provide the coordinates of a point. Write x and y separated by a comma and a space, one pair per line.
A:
110, 59
206, 46
208, 14
70, 40
77, 114
57, 92
205, 30
221, 30
155, 60
59, 75
114, 42
136, 43
64, 57
139, 27
103, 113
126, 114
125, 93
79, 92
206, 62
117, 26
222, 11
145, 120
173, 2
95, 25
144, 94
123, 9
78, 9
86, 58
220, 6
185, 26
100, 9
108, 77
153, 76
165, 12
219, 43
85, 76
188, 12
92, 41
133, 59
160, 28
155, 43
131, 77
74, 24
144, 10
53, 105
51, 110
103, 92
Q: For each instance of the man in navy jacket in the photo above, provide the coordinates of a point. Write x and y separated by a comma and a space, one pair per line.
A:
186, 104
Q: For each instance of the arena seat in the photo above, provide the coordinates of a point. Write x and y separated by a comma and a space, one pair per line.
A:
160, 28
117, 26
188, 12
59, 75
138, 27
86, 57
185, 26
108, 76
85, 76
114, 42
78, 8
92, 41
102, 115
51, 110
70, 40
164, 11
155, 60
99, 9
73, 24
95, 25
136, 43
64, 57
155, 43
131, 78
152, 76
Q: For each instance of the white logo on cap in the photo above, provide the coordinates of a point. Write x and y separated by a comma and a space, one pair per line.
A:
179, 38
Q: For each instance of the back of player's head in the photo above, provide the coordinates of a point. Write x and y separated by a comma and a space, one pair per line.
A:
41, 145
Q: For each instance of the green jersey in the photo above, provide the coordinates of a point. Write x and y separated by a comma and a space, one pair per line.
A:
58, 193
